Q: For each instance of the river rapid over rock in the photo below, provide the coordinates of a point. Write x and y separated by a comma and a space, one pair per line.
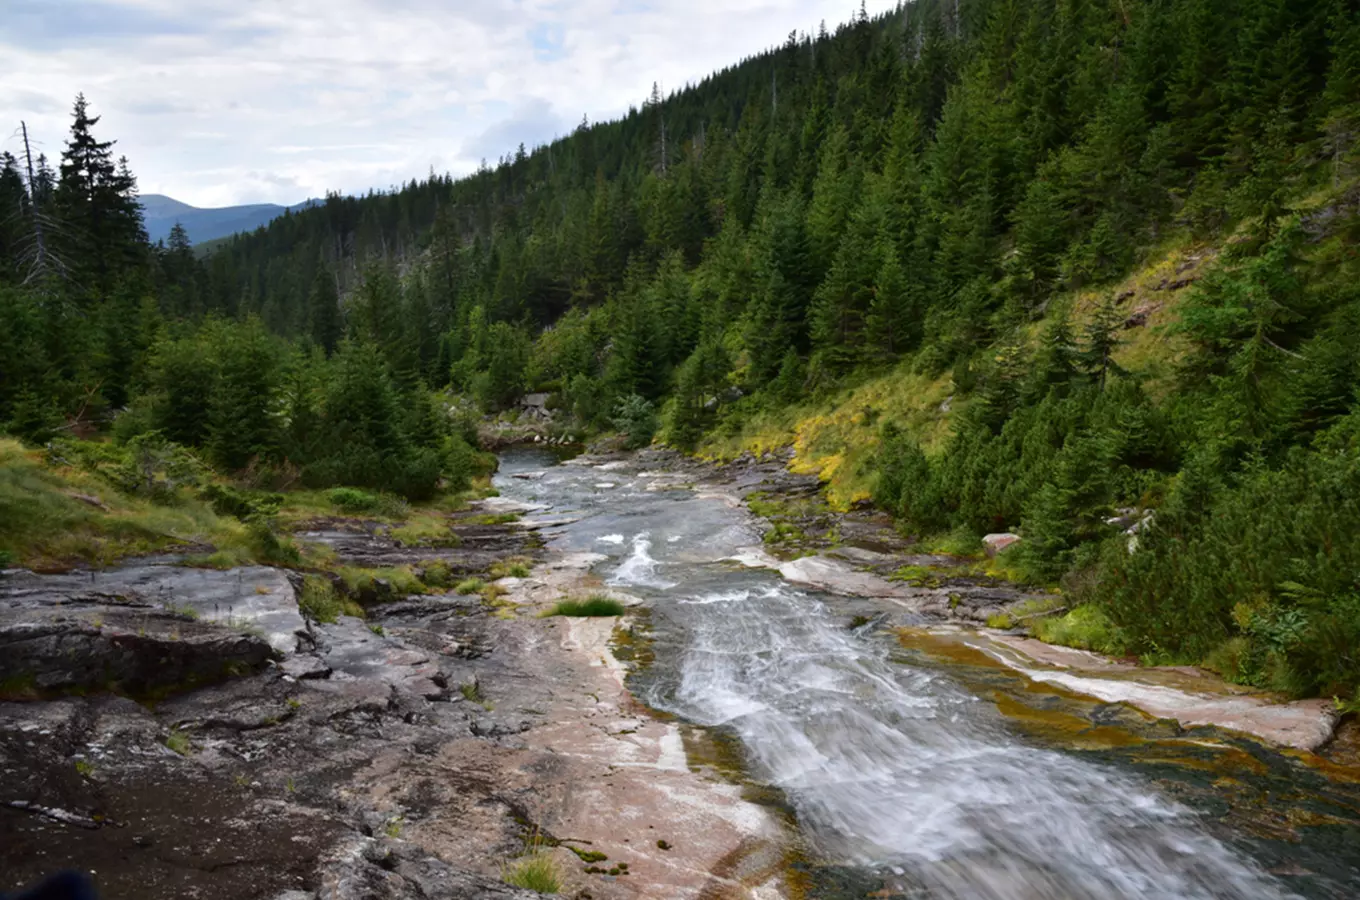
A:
900, 770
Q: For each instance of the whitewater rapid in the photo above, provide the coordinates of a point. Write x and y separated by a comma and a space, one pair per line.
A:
888, 767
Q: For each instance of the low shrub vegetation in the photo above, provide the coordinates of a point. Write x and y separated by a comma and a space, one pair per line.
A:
320, 601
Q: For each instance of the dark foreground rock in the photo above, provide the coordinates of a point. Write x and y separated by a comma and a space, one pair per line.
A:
140, 631
187, 734
239, 768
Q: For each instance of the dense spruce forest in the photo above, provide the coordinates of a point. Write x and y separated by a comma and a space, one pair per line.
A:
922, 192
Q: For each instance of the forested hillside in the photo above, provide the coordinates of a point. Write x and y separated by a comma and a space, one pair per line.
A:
938, 193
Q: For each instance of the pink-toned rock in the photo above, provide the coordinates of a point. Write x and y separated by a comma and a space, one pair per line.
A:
1189, 696
995, 543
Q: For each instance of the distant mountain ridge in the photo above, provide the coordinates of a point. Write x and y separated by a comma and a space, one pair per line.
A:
161, 213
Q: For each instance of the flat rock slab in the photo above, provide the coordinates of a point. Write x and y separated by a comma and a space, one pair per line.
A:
144, 629
623, 781
824, 573
257, 599
354, 653
1190, 697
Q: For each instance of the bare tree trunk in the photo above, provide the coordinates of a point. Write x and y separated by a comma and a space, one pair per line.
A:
40, 262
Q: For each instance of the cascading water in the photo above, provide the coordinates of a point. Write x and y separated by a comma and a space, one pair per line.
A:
888, 767
639, 569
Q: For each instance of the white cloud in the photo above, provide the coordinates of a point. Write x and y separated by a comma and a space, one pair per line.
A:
218, 102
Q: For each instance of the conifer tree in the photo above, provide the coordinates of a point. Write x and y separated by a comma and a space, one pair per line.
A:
326, 324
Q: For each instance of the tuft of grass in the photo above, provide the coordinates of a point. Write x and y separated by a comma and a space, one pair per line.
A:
178, 741
402, 580
535, 872
515, 567
320, 601
425, 531
84, 768
472, 692
918, 576
1001, 621
393, 827
963, 542
471, 586
598, 606
436, 573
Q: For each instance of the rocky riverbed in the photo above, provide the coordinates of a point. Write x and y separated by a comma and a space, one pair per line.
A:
186, 732
190, 732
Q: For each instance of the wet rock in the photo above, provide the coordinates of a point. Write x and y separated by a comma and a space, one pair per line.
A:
257, 599
1190, 698
305, 666
137, 651
492, 728
395, 870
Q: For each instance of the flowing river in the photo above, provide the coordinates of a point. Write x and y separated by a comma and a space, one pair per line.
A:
899, 776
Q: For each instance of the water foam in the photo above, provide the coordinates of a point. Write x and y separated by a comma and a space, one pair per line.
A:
639, 569
889, 765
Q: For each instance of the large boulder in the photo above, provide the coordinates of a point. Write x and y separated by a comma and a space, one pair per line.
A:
144, 629
995, 543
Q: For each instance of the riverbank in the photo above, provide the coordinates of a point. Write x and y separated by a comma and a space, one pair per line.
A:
200, 732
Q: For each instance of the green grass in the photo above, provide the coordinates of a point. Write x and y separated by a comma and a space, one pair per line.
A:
402, 579
320, 601
178, 741
353, 500
425, 531
492, 519
45, 524
470, 586
592, 607
1086, 628
516, 567
535, 872
918, 576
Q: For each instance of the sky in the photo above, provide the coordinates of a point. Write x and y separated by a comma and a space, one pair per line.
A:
223, 102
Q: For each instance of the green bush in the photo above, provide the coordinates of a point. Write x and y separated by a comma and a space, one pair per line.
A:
320, 601
228, 501
1086, 628
353, 500
636, 418
146, 466
268, 547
